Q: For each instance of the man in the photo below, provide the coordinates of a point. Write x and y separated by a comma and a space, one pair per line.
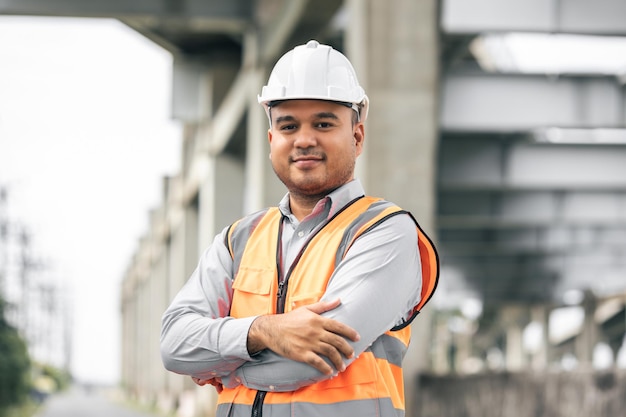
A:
303, 309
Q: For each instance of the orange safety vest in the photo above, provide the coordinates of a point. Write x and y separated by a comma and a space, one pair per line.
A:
373, 383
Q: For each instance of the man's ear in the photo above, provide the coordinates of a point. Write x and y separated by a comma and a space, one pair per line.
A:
359, 137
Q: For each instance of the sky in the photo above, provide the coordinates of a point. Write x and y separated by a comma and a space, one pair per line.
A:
85, 139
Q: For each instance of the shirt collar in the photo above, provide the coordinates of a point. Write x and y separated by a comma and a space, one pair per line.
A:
338, 198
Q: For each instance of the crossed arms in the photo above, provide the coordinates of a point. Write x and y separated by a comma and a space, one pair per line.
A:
372, 289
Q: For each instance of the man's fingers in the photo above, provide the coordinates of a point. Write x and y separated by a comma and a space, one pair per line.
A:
216, 382
199, 381
333, 325
318, 363
324, 306
341, 329
305, 335
334, 356
341, 346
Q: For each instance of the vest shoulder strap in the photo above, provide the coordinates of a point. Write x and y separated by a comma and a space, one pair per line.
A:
238, 233
430, 269
380, 211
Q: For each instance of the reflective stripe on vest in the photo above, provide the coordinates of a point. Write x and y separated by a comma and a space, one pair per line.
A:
372, 384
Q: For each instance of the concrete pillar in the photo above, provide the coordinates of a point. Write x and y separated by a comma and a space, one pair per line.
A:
158, 304
514, 349
257, 149
442, 342
398, 66
129, 325
206, 202
513, 320
230, 189
356, 50
589, 335
540, 314
463, 342
401, 61
142, 308
141, 274
220, 197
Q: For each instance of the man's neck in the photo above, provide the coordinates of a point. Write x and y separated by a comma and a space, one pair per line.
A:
301, 205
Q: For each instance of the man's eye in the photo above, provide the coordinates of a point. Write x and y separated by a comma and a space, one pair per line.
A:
287, 127
324, 125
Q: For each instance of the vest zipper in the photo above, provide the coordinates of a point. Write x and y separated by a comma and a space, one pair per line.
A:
280, 300
283, 282
280, 303
257, 406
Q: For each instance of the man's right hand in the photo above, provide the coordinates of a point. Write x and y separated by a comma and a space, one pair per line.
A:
304, 335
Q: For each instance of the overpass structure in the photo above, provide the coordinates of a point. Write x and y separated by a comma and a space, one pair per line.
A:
507, 170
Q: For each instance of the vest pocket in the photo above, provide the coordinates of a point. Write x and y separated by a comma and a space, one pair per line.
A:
252, 292
294, 302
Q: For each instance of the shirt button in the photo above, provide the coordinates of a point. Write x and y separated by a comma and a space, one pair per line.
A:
300, 233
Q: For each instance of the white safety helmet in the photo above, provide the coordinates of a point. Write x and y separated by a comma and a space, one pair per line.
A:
316, 72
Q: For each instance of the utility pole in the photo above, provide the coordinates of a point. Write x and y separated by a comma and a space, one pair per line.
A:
35, 301
24, 281
4, 234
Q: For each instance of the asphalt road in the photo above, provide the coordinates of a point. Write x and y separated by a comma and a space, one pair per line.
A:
78, 402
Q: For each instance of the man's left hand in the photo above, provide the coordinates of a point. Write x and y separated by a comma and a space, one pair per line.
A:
216, 382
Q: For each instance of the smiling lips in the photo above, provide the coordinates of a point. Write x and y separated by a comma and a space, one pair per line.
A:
306, 161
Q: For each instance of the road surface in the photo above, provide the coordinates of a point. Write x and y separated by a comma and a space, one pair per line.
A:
78, 402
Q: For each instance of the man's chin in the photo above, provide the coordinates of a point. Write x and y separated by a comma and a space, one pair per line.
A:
307, 188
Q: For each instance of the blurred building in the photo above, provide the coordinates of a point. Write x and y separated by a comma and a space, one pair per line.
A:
497, 127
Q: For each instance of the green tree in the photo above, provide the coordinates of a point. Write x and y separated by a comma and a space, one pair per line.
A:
14, 364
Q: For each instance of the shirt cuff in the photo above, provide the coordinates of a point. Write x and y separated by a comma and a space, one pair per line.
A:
233, 342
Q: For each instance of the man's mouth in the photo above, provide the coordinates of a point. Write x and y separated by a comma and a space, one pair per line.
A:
307, 158
306, 161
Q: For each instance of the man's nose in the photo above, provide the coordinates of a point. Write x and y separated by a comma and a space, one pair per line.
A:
305, 138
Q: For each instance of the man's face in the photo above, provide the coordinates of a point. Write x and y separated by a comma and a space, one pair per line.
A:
314, 145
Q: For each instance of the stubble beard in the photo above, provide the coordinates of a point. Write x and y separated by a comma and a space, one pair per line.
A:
315, 188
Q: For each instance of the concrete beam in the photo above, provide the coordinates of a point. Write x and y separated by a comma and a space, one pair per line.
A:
548, 216
275, 32
601, 17
486, 164
286, 23
482, 102
216, 9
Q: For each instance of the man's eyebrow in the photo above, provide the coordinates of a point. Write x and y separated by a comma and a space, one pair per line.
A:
326, 115
287, 118
320, 115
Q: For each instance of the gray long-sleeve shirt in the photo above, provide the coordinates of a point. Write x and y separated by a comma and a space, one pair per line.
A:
378, 282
